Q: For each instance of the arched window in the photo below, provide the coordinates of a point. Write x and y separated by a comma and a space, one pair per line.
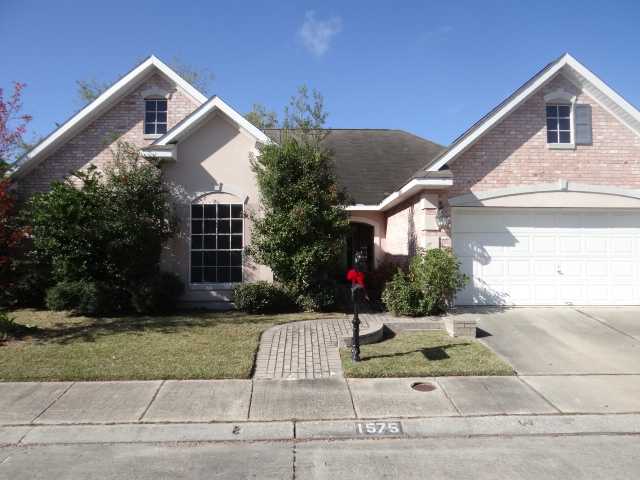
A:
217, 239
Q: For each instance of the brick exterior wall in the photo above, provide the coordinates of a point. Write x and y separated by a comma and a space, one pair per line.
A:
515, 152
92, 145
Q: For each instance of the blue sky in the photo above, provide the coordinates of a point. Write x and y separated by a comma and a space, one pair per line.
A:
431, 68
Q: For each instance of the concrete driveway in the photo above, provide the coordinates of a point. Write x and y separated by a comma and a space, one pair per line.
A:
564, 340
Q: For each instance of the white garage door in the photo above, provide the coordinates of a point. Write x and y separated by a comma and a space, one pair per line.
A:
518, 256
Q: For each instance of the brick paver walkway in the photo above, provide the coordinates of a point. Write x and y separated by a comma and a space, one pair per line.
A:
306, 349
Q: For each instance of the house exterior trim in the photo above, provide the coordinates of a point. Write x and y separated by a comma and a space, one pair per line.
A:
480, 198
405, 192
192, 121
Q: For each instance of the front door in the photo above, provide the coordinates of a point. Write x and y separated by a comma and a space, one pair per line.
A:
360, 240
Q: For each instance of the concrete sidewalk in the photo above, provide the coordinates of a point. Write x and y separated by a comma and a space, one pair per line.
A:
144, 402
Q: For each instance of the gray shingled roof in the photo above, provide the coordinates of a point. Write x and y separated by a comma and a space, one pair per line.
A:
372, 163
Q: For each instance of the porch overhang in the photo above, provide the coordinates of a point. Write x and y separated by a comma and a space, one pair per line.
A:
414, 186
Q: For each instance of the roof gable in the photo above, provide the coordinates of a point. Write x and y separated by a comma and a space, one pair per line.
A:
575, 72
198, 117
99, 106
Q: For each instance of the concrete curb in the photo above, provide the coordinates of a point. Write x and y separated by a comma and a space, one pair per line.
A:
498, 426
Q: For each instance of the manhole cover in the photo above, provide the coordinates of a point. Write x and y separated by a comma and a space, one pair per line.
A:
423, 387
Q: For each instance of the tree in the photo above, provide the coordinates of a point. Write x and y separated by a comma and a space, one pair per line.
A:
105, 228
305, 114
13, 124
302, 226
201, 78
261, 117
89, 90
12, 128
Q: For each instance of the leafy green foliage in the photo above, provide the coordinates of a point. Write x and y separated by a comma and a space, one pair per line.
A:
261, 117
301, 230
201, 78
89, 90
436, 272
87, 298
402, 296
262, 297
103, 228
10, 328
158, 294
304, 113
429, 288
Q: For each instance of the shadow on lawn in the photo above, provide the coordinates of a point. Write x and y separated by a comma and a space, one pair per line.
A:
430, 353
89, 329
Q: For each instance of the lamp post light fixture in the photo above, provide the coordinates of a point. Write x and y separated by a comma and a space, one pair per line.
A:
443, 219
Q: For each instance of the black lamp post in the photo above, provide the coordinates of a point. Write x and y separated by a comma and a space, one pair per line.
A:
357, 291
355, 340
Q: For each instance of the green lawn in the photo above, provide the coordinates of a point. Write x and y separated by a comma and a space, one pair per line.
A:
194, 345
424, 354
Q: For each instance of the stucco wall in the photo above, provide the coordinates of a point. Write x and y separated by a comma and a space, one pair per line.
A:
216, 157
92, 145
515, 152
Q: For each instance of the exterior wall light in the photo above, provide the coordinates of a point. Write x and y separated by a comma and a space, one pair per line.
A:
443, 219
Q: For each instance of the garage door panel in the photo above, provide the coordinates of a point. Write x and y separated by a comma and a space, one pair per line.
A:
595, 269
570, 269
622, 270
570, 244
544, 245
544, 294
481, 246
595, 245
519, 268
545, 268
622, 246
548, 257
598, 294
495, 268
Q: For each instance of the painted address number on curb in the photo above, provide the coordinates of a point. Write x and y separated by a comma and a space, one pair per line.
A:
379, 428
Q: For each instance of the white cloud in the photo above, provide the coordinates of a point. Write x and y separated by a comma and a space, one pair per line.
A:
317, 34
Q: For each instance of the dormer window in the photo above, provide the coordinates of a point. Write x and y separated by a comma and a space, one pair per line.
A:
155, 116
559, 124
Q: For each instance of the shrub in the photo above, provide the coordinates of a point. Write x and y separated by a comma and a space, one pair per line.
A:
7, 326
107, 228
402, 296
429, 288
436, 272
158, 294
262, 297
321, 297
87, 298
379, 277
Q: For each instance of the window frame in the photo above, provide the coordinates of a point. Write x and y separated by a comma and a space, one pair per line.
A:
215, 285
560, 103
155, 123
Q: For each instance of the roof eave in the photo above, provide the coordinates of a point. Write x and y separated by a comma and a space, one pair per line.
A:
407, 191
